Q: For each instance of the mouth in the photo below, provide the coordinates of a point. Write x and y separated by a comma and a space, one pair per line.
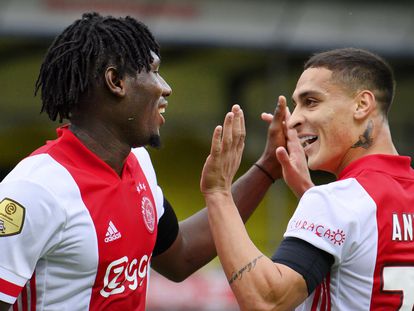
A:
161, 110
162, 107
308, 140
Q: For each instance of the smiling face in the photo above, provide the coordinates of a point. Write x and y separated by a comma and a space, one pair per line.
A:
323, 119
145, 101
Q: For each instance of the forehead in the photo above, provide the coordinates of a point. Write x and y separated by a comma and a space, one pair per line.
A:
313, 80
157, 60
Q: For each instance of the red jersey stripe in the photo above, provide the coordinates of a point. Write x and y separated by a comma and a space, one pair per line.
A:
9, 288
25, 307
323, 303
33, 293
316, 297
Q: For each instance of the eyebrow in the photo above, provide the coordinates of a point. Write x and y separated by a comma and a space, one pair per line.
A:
305, 94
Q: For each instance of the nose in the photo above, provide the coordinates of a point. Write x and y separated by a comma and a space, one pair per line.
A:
296, 118
166, 89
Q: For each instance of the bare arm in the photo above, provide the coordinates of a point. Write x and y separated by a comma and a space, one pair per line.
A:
257, 282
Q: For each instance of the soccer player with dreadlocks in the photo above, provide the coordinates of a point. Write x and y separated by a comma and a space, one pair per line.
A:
82, 217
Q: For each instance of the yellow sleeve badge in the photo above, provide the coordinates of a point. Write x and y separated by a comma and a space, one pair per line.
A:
11, 217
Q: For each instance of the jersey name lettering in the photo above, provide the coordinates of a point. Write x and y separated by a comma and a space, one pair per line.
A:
122, 274
402, 227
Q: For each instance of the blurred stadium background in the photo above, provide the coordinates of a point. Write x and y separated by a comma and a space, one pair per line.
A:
214, 54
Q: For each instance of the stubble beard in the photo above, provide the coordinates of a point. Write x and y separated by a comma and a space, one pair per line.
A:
155, 141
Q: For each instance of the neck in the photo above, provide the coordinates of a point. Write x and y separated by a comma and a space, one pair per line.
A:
381, 144
103, 143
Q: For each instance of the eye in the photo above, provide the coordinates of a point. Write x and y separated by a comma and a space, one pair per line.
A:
310, 101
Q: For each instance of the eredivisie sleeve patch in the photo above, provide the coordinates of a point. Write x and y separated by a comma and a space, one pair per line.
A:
11, 217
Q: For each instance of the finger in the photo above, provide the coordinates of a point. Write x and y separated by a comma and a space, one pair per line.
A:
267, 117
235, 108
282, 103
238, 117
216, 141
242, 124
236, 124
242, 138
293, 142
288, 114
227, 139
280, 111
242, 131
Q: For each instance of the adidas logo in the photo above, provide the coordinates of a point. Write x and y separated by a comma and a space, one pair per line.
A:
112, 233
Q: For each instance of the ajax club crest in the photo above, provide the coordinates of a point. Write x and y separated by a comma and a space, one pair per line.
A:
148, 214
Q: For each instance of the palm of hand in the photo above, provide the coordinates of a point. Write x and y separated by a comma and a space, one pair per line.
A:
225, 155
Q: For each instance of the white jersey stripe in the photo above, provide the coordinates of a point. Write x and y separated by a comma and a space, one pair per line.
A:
7, 298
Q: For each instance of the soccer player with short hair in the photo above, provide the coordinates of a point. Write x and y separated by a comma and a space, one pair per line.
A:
349, 244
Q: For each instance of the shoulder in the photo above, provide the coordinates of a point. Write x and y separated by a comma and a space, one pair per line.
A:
343, 194
332, 216
40, 183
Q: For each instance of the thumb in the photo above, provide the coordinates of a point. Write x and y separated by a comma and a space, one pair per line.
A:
283, 157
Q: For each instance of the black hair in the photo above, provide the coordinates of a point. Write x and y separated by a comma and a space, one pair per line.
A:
78, 57
359, 69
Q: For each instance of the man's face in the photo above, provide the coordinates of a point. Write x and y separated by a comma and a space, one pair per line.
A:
144, 105
323, 118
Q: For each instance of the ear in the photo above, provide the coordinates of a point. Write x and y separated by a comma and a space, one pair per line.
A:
365, 103
113, 82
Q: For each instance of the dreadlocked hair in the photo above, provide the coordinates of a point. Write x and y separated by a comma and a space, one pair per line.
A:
78, 57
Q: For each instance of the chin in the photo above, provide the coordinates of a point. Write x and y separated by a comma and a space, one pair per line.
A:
314, 165
155, 141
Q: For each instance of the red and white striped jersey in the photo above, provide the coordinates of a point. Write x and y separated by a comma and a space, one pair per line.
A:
74, 234
365, 220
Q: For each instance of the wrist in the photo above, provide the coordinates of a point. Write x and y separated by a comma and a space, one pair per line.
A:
217, 195
265, 172
305, 187
272, 167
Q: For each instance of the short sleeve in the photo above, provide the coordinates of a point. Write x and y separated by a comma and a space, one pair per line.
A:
30, 224
328, 217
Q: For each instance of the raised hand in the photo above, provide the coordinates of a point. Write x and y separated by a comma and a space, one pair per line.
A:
225, 155
293, 160
275, 138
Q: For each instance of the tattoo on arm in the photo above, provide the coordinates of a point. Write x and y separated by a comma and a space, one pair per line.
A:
247, 268
365, 140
